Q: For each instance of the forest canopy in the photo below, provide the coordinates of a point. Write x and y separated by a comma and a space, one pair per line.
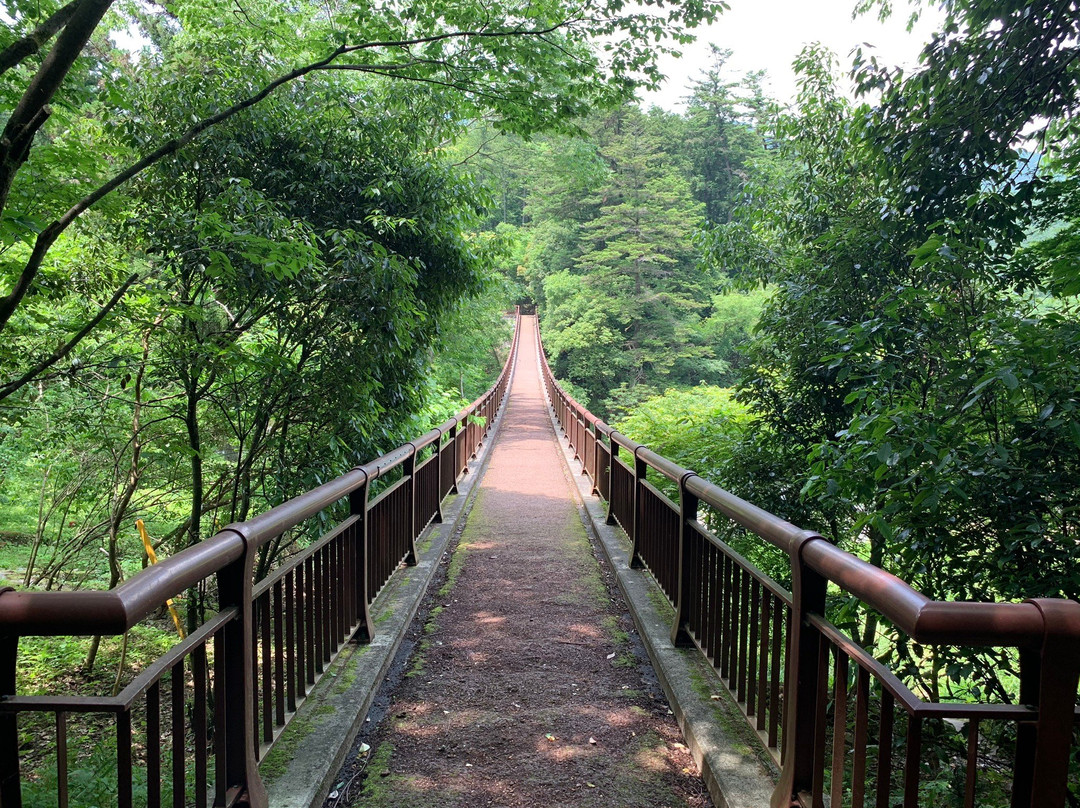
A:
244, 251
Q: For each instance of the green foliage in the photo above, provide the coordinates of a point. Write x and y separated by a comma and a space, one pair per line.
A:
914, 366
706, 430
695, 427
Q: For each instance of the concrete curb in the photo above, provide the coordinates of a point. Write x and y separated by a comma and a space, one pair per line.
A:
737, 770
313, 746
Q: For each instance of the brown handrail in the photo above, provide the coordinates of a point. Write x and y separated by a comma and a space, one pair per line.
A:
1045, 631
311, 607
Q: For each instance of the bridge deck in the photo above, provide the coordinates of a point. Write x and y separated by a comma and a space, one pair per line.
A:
528, 688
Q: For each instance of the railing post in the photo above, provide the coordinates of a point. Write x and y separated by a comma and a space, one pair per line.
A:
801, 678
1048, 680
10, 788
586, 438
610, 519
451, 446
409, 469
438, 478
640, 470
603, 473
688, 512
358, 499
238, 678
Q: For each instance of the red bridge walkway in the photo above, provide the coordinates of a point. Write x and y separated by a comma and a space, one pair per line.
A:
527, 688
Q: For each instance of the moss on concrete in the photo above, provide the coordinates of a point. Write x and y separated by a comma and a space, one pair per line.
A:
726, 713
281, 754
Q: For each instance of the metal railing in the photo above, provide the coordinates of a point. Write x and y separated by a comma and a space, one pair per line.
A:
196, 721
795, 674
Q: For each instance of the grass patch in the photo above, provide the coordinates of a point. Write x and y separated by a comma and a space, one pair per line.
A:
453, 569
625, 661
432, 624
416, 666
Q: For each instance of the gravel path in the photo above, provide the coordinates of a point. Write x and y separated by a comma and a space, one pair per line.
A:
527, 686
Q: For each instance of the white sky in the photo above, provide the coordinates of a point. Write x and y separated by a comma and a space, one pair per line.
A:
769, 34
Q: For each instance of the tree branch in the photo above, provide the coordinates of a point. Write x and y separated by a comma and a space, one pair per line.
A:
50, 234
32, 109
30, 44
481, 34
10, 387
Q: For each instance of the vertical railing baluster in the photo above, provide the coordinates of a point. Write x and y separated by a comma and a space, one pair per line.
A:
640, 469
725, 616
326, 597
179, 764
912, 762
616, 477
221, 781
123, 759
702, 585
754, 618
716, 609
358, 507
305, 666
840, 695
266, 679
292, 643
695, 548
279, 654
62, 788
862, 722
885, 741
763, 662
744, 633
972, 763
451, 447
776, 714
198, 722
315, 587
409, 470
820, 724
333, 604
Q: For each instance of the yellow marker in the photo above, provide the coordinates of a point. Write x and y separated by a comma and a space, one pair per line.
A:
153, 560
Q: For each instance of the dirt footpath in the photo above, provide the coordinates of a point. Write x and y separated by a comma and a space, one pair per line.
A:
527, 686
